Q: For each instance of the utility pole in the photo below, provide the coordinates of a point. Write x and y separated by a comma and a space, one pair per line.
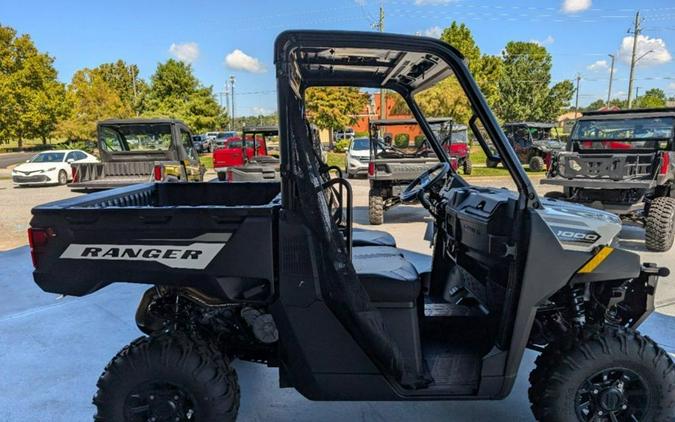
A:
576, 102
232, 99
636, 34
637, 92
380, 27
611, 77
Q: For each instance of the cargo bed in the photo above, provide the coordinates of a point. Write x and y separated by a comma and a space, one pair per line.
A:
187, 234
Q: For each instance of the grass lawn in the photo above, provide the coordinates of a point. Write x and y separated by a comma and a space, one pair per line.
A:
206, 160
336, 159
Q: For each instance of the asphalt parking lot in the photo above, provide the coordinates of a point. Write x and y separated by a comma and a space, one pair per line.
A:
53, 350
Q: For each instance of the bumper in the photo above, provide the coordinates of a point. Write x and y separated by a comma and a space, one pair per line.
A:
37, 179
599, 184
357, 168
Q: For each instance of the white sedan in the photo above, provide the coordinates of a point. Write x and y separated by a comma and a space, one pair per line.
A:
50, 167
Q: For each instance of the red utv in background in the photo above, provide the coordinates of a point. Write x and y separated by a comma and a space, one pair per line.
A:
239, 151
456, 144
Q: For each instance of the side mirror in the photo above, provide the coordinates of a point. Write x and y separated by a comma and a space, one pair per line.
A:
70, 160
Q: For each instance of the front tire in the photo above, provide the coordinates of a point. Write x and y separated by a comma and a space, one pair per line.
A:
491, 163
375, 208
169, 377
610, 376
467, 166
537, 163
660, 224
63, 177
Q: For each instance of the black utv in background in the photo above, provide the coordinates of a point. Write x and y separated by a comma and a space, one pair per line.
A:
533, 142
348, 320
623, 162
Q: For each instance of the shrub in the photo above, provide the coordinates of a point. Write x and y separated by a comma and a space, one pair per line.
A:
402, 140
419, 139
341, 146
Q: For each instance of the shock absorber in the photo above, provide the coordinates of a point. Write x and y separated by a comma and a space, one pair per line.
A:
578, 309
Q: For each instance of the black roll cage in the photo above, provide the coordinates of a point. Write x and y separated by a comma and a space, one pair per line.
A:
290, 41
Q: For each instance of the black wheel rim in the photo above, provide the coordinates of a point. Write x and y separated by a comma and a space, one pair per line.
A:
614, 395
159, 402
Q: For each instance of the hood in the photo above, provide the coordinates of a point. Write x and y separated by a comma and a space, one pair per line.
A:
550, 144
359, 153
36, 167
578, 227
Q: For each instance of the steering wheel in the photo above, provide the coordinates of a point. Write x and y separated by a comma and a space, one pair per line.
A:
424, 181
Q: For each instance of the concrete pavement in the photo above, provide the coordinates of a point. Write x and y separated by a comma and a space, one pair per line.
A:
53, 351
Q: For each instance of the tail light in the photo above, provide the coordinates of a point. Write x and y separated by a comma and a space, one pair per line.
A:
158, 172
548, 158
371, 168
75, 174
665, 162
37, 239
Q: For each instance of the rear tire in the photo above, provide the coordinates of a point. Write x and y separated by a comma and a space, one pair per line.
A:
375, 208
491, 163
596, 377
537, 163
467, 166
660, 224
63, 177
168, 377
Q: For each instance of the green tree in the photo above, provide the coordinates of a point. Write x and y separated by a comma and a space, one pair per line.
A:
124, 80
485, 69
91, 99
595, 105
176, 93
32, 98
653, 98
524, 85
334, 108
447, 98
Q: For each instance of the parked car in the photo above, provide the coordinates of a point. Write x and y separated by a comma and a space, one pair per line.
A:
137, 151
623, 162
534, 143
357, 157
201, 143
221, 138
50, 167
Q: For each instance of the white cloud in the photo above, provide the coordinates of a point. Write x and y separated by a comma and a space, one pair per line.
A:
671, 85
598, 65
546, 41
261, 111
186, 52
432, 2
659, 52
575, 6
434, 32
239, 60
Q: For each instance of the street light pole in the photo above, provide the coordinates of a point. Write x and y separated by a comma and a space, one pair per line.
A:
611, 77
576, 102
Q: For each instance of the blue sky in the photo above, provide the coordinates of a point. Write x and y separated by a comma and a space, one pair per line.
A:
578, 33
